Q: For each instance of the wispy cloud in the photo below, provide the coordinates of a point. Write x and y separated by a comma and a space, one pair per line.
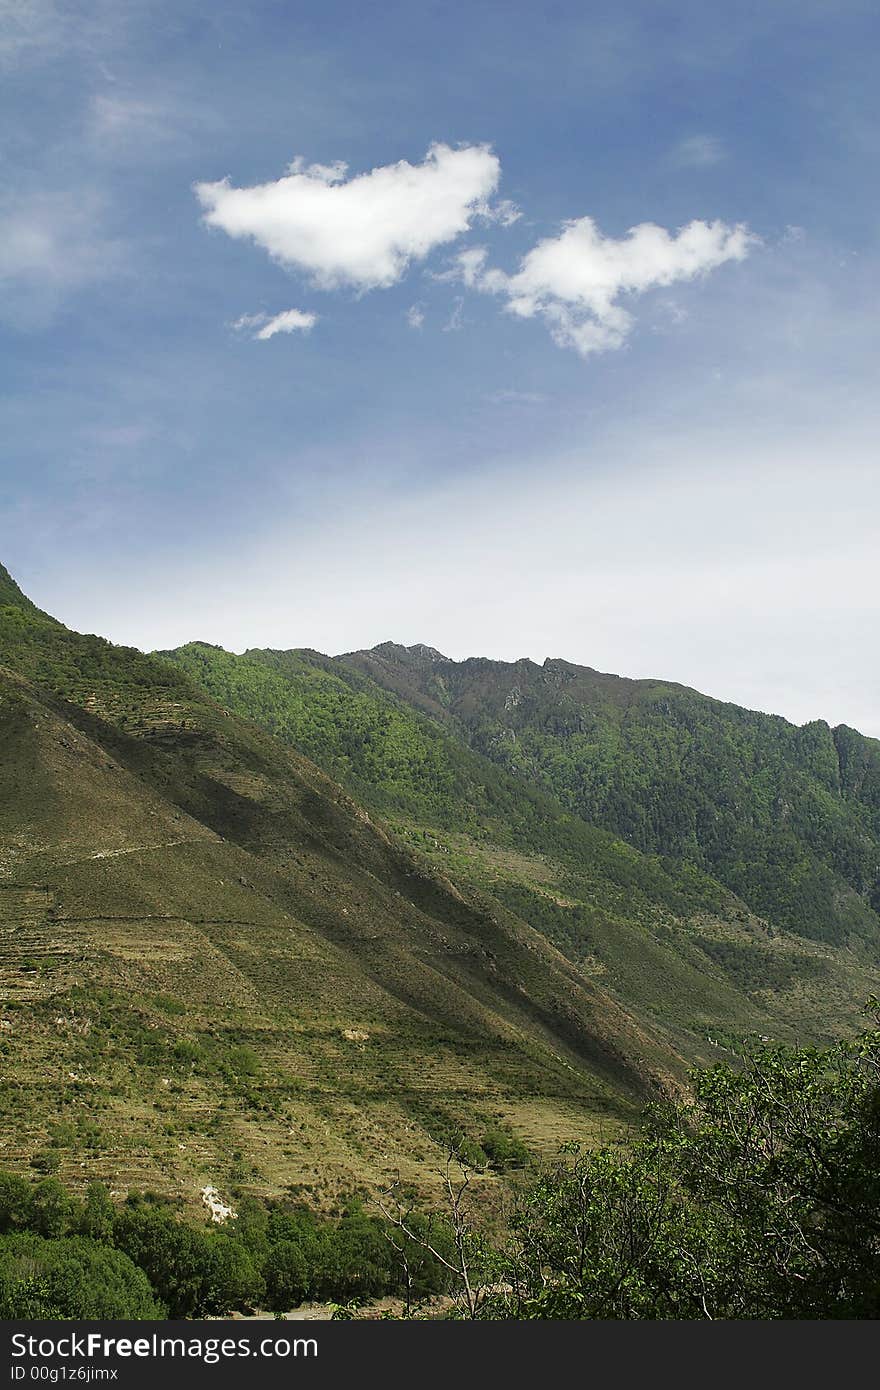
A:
504, 212
265, 327
145, 122
415, 316
508, 396
38, 31
456, 318
51, 245
574, 281
116, 116
362, 231
28, 27
697, 152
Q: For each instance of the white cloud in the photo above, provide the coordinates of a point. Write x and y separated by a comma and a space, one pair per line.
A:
249, 321
362, 231
469, 266
415, 316
288, 321
575, 280
698, 152
504, 212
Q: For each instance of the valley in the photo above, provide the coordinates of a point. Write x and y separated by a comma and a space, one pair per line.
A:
288, 924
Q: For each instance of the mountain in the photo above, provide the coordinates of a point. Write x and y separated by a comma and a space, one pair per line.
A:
787, 818
673, 944
11, 596
218, 968
284, 921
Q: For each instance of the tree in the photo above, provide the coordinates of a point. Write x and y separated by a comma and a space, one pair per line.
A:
71, 1278
760, 1198
98, 1212
15, 1202
288, 1274
52, 1210
196, 1272
454, 1246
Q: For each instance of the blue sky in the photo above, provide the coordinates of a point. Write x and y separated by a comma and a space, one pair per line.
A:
655, 455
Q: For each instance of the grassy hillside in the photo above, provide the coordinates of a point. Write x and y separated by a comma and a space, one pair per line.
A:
787, 818
217, 968
668, 940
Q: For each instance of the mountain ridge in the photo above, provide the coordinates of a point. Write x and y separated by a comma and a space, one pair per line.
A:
713, 967
391, 648
589, 738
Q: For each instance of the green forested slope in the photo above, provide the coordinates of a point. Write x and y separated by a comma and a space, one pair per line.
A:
11, 596
667, 938
788, 818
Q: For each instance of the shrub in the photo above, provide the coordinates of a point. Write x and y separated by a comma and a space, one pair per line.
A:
504, 1150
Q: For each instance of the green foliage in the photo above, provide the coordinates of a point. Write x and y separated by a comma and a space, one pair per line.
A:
72, 1277
373, 744
79, 668
15, 1203
759, 1200
98, 1213
143, 1259
289, 1273
141, 810
198, 831
455, 802
195, 1272
504, 1151
714, 801
12, 597
350, 1258
787, 818
51, 1210
757, 967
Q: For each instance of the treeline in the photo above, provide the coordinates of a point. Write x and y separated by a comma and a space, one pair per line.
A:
65, 1257
71, 665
